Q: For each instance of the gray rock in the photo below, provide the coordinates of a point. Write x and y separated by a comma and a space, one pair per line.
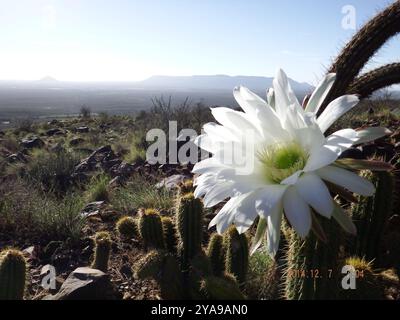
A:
82, 129
76, 141
33, 142
172, 182
85, 284
92, 209
53, 132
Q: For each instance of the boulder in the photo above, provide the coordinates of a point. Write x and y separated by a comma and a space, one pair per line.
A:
76, 141
33, 142
82, 129
85, 284
53, 132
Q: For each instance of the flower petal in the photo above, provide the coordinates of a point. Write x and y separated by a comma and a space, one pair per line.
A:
335, 110
226, 215
260, 112
297, 211
259, 236
371, 134
344, 220
348, 180
320, 93
335, 145
284, 95
274, 230
271, 97
268, 198
217, 194
314, 191
234, 120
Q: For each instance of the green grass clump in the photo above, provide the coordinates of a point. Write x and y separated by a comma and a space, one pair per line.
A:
98, 189
141, 193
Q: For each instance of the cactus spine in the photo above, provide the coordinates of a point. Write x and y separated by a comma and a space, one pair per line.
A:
190, 227
216, 254
169, 231
371, 214
312, 266
12, 275
237, 254
151, 230
102, 242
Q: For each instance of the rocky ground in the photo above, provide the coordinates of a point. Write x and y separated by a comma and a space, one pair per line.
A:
102, 147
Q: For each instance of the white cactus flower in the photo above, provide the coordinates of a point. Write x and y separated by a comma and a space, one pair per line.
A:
291, 160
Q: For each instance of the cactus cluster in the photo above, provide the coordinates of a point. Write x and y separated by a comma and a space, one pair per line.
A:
12, 275
182, 268
102, 241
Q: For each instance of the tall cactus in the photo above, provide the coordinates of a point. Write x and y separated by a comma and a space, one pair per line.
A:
170, 237
102, 250
216, 254
151, 231
312, 266
361, 48
189, 217
12, 275
371, 214
237, 254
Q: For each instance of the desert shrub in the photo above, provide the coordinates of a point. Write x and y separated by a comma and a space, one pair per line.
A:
98, 188
27, 213
141, 193
137, 151
51, 171
187, 116
24, 126
85, 112
10, 143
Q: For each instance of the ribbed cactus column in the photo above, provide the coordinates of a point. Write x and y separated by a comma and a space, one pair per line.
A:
216, 254
237, 254
170, 237
371, 214
312, 266
190, 227
102, 241
12, 275
151, 229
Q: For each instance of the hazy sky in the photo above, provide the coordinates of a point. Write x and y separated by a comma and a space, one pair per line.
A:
134, 39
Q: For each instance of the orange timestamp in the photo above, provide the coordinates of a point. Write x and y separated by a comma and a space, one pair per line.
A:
317, 273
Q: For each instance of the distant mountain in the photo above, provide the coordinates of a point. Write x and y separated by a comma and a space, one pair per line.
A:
48, 79
218, 82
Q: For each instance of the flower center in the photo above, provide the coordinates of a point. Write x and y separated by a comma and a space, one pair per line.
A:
280, 161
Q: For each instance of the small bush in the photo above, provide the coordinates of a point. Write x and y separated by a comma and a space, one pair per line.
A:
51, 172
141, 193
98, 189
27, 213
